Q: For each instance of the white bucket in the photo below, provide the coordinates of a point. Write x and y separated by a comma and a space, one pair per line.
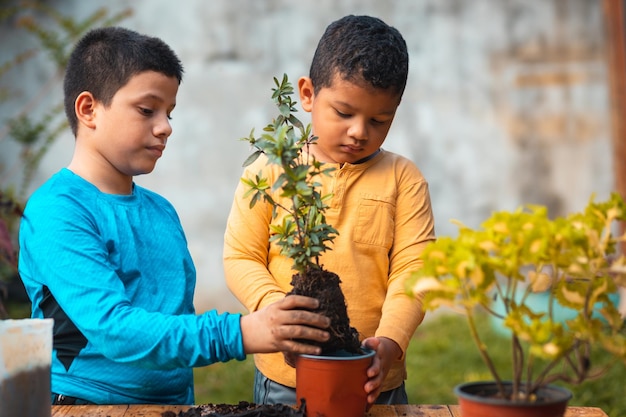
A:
25, 357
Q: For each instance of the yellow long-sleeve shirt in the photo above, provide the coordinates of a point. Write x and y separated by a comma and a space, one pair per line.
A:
382, 211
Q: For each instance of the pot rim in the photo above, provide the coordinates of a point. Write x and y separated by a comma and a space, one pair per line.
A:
342, 355
461, 391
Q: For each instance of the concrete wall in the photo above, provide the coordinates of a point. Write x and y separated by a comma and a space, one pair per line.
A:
506, 103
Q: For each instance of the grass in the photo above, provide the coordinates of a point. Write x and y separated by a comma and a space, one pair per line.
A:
440, 356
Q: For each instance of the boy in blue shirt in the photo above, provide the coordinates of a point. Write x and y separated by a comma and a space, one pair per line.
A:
108, 259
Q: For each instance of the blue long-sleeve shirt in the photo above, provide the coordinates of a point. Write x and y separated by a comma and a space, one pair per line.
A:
115, 273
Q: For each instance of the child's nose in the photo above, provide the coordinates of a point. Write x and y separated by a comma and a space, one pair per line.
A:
358, 130
163, 128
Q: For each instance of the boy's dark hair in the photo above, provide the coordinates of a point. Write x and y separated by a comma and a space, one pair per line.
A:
361, 49
105, 59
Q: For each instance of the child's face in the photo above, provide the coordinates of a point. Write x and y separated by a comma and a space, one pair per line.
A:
350, 121
131, 133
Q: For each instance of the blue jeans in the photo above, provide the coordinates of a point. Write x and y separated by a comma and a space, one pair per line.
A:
267, 391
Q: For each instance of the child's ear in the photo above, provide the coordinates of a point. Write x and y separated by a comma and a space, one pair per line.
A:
85, 108
307, 93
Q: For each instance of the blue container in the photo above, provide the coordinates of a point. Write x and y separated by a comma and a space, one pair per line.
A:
537, 302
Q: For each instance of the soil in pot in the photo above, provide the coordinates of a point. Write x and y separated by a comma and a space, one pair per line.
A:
331, 384
25, 356
325, 286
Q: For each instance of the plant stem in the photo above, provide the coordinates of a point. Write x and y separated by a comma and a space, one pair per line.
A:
482, 349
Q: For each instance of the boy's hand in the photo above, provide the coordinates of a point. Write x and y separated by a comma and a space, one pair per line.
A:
387, 352
276, 327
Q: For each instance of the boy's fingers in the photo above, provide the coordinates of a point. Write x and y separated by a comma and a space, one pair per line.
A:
297, 307
308, 319
299, 301
290, 332
292, 347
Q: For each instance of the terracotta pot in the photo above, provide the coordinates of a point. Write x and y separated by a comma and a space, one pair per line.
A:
476, 399
332, 386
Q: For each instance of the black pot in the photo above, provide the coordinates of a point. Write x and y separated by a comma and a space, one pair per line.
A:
480, 399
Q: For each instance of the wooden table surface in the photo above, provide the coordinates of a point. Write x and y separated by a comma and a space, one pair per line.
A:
375, 411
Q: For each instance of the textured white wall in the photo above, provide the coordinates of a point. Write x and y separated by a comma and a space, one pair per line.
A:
506, 103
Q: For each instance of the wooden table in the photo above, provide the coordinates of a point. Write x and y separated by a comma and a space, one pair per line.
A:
375, 411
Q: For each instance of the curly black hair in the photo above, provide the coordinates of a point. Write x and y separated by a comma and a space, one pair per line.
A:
364, 50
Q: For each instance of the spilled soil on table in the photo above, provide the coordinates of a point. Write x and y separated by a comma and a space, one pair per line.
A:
243, 409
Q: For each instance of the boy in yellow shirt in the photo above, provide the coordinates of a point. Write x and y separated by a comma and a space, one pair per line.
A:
380, 207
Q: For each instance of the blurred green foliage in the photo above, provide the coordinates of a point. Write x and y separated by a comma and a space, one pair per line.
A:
31, 124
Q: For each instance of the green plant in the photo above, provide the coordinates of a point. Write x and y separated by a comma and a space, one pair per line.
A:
496, 269
304, 234
32, 123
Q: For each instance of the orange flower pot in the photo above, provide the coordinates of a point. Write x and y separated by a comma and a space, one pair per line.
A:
333, 385
478, 399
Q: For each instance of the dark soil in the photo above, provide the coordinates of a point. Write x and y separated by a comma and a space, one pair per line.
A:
243, 409
325, 286
26, 393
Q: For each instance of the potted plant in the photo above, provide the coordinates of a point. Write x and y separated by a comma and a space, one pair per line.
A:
303, 235
495, 269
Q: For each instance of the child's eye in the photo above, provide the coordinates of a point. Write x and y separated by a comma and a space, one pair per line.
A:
378, 122
145, 111
342, 115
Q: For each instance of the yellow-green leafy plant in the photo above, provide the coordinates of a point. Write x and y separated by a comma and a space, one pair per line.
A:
575, 261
